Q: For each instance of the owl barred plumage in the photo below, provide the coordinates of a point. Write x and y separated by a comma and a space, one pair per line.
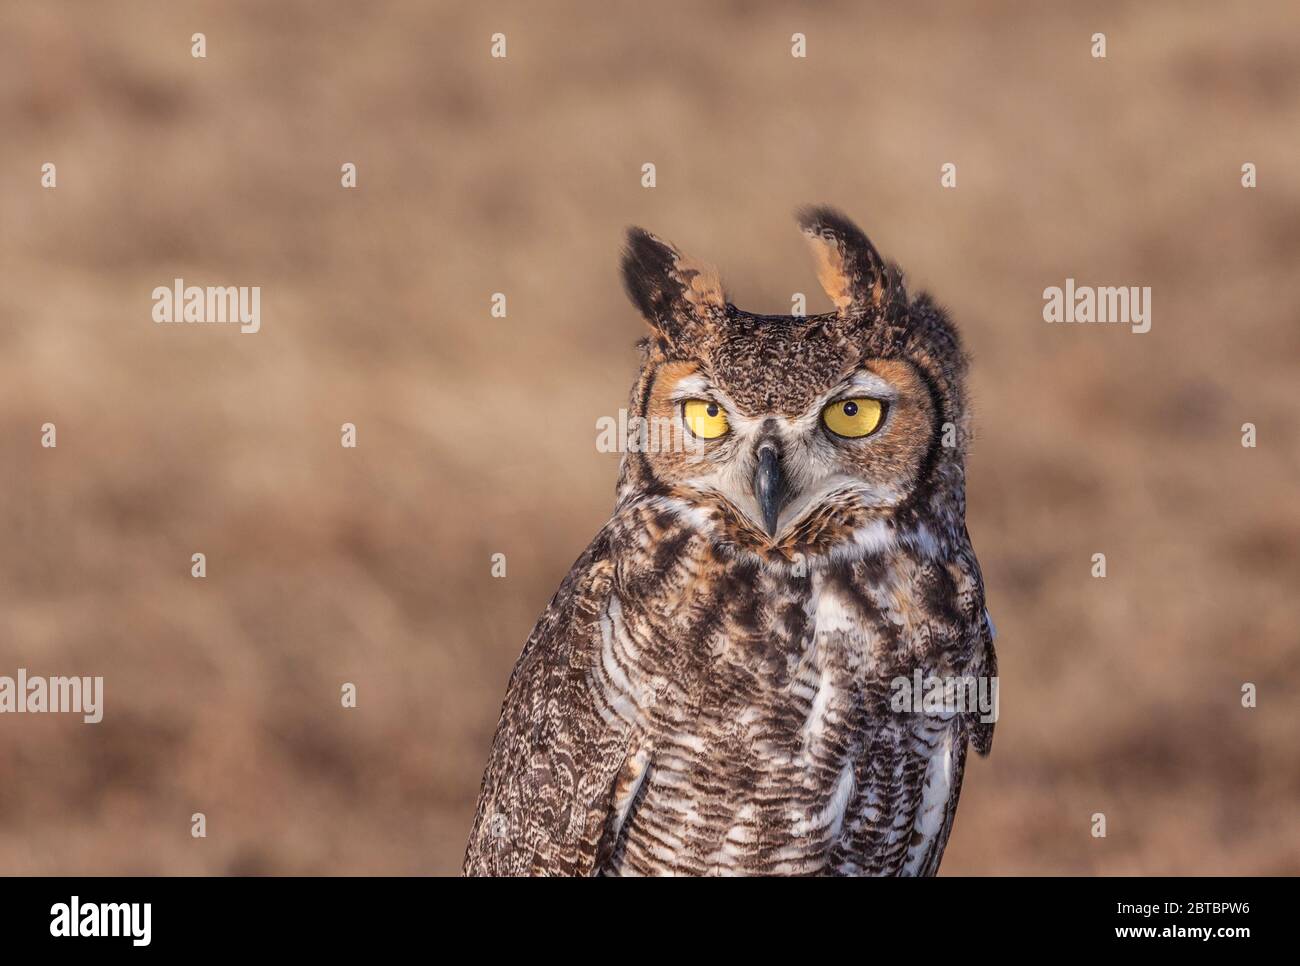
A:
712, 689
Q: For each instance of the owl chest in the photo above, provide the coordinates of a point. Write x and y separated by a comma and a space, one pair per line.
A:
771, 639
769, 749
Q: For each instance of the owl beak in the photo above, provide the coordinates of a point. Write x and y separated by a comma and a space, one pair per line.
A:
769, 487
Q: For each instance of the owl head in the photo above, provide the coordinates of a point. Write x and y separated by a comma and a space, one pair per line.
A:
798, 434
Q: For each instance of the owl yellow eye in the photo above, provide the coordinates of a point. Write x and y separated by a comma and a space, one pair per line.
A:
853, 417
704, 418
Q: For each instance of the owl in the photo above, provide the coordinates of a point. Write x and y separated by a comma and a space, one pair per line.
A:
729, 681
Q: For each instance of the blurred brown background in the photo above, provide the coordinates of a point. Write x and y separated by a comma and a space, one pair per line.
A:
477, 435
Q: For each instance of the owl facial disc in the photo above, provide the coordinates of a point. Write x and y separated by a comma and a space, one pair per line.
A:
804, 429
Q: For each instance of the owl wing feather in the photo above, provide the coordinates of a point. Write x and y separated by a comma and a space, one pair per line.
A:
947, 765
549, 800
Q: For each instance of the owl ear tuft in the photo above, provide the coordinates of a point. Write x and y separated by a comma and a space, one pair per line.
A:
849, 268
680, 297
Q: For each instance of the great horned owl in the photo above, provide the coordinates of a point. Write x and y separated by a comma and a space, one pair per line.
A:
714, 688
